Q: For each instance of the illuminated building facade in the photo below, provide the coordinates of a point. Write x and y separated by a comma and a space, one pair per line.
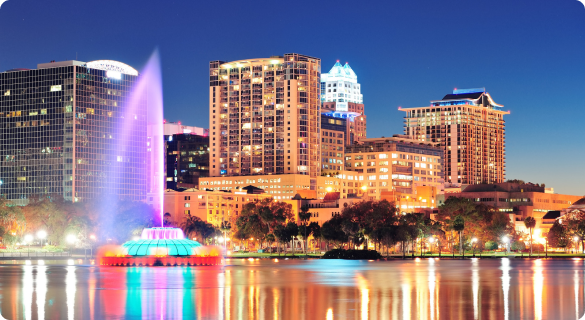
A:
66, 129
187, 159
341, 97
398, 169
519, 201
332, 143
470, 128
211, 206
264, 116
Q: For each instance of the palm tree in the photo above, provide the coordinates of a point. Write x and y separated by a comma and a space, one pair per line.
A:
459, 226
304, 216
530, 223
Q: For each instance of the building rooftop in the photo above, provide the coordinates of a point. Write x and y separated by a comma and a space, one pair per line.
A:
339, 72
504, 187
474, 96
551, 215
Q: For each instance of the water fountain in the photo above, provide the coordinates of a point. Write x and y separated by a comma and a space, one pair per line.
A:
161, 245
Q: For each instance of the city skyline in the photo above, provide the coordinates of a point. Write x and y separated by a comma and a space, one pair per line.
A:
420, 56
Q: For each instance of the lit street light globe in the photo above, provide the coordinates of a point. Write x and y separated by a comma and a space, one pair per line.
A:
431, 240
42, 234
505, 239
474, 240
28, 238
576, 238
71, 238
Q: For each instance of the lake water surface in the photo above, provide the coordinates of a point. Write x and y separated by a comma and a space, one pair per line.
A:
297, 289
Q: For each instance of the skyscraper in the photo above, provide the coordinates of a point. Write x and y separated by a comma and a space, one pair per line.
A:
469, 126
341, 98
264, 116
66, 129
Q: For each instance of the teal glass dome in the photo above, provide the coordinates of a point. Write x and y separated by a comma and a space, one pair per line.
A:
152, 247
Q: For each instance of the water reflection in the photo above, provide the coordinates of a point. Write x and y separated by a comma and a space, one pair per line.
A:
506, 285
424, 289
538, 286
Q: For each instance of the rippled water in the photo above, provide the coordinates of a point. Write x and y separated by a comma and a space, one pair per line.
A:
290, 289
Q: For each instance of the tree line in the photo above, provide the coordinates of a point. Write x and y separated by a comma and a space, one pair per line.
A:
459, 225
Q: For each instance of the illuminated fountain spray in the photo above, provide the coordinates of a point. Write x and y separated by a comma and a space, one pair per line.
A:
154, 117
160, 245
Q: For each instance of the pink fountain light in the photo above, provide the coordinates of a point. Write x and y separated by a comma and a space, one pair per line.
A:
162, 233
148, 91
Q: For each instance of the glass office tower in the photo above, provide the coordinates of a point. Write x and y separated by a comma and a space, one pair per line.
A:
66, 129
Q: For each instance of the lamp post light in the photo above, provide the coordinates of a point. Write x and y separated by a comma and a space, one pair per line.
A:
28, 238
71, 240
506, 240
431, 241
93, 238
473, 241
42, 235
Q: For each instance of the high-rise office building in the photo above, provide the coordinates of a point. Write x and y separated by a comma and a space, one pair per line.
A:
341, 98
65, 129
332, 143
469, 126
264, 116
187, 159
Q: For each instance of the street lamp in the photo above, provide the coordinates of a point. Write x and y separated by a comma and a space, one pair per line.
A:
28, 238
92, 237
473, 241
71, 240
431, 241
576, 244
506, 240
42, 235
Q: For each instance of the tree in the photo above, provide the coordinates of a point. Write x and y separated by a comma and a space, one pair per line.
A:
193, 225
304, 216
11, 217
332, 231
558, 235
291, 231
459, 225
518, 246
530, 223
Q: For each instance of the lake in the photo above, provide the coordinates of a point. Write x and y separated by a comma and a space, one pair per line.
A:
297, 289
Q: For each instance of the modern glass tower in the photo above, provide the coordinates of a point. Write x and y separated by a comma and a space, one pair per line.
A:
264, 116
66, 129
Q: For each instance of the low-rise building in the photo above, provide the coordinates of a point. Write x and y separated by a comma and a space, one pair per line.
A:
398, 169
519, 201
211, 206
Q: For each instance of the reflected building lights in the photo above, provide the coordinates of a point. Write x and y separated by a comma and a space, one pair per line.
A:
506, 286
70, 285
41, 289
27, 291
576, 279
475, 287
432, 281
406, 301
538, 283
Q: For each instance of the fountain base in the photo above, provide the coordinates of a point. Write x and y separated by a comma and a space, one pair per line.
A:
162, 247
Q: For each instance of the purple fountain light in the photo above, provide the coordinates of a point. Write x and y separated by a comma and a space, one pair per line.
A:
148, 92
162, 233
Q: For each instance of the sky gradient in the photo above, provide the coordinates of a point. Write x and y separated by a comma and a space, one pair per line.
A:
529, 55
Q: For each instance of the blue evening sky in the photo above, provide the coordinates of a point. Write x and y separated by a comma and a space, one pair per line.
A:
529, 54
